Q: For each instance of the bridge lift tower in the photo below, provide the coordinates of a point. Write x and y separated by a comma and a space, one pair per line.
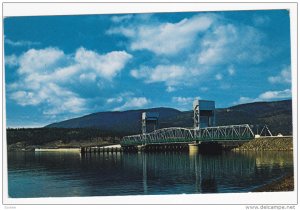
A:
149, 118
204, 113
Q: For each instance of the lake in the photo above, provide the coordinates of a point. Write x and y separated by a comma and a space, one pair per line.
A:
68, 174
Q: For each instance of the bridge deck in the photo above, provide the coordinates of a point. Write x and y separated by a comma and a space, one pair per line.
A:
186, 135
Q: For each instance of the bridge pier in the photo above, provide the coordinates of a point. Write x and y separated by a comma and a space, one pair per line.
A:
193, 148
141, 148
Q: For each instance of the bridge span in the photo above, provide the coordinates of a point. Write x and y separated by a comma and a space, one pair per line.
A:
177, 135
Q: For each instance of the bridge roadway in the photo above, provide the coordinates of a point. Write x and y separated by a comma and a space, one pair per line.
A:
173, 135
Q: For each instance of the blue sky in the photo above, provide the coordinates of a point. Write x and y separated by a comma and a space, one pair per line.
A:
59, 67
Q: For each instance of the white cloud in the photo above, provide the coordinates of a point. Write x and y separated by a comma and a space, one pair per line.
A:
171, 75
89, 77
229, 43
25, 98
165, 38
135, 102
170, 89
244, 100
39, 60
213, 42
121, 18
114, 100
20, 43
56, 99
124, 96
183, 100
267, 96
46, 77
283, 77
107, 65
128, 32
183, 103
62, 100
219, 76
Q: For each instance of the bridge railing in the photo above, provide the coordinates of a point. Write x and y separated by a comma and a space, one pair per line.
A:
185, 135
223, 133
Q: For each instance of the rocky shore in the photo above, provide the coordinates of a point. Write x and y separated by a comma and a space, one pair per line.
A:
286, 183
269, 143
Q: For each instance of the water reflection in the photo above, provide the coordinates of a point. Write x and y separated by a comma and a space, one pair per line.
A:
201, 171
70, 174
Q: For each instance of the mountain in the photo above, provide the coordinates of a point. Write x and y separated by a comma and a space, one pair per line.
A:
277, 115
127, 122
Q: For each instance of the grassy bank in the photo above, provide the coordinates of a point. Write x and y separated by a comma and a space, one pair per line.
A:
285, 183
269, 143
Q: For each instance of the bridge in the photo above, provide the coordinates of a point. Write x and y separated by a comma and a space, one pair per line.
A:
173, 135
204, 131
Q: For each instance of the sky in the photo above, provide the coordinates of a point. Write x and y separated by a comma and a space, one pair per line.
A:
61, 67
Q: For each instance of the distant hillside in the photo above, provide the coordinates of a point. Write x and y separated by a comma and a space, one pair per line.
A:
127, 122
277, 115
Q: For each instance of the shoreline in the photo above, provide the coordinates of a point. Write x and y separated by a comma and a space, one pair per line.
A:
283, 184
269, 143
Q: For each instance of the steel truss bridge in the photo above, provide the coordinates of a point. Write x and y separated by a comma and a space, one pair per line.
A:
185, 135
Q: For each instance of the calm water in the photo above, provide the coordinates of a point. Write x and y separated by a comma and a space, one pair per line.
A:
50, 174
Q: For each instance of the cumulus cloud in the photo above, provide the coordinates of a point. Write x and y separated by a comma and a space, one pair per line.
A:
170, 74
213, 44
229, 43
134, 102
57, 99
283, 77
39, 60
45, 75
164, 38
267, 96
107, 65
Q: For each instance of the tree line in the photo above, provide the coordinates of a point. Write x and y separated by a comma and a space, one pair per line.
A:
39, 136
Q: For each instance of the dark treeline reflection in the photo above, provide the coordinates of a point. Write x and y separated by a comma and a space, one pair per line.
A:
72, 174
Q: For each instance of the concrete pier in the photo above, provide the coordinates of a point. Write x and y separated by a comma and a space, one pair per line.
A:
141, 148
193, 148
